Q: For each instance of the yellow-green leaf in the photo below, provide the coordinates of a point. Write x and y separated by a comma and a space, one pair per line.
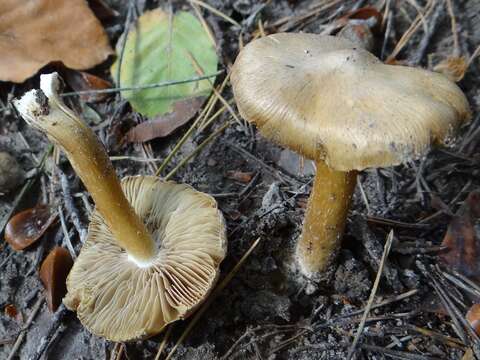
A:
163, 47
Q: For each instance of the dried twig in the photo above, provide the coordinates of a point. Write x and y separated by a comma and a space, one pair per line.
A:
71, 208
66, 235
143, 87
23, 333
198, 149
55, 323
388, 245
212, 297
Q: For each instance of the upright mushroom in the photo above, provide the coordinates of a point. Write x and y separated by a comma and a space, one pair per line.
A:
336, 103
153, 248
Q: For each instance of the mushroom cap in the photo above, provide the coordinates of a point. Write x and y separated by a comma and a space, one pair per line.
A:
330, 100
117, 299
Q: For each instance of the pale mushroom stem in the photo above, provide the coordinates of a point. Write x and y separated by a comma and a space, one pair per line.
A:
46, 112
325, 218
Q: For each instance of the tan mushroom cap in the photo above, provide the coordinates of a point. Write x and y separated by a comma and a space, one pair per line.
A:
117, 299
329, 100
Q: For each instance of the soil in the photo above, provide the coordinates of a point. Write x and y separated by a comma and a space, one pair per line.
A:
268, 310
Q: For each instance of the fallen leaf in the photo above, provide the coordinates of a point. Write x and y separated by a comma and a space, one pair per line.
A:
83, 81
453, 68
473, 317
53, 273
11, 311
37, 32
241, 176
461, 239
28, 226
164, 47
164, 125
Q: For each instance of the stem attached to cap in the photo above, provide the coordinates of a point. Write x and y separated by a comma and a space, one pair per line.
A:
325, 218
44, 110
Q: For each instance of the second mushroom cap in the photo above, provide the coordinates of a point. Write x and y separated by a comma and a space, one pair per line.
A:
327, 99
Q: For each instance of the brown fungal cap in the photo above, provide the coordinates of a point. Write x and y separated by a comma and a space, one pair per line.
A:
121, 300
329, 100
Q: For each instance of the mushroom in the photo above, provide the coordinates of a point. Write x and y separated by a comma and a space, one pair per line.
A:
339, 105
153, 247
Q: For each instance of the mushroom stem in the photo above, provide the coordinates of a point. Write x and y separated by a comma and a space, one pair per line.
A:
44, 110
325, 218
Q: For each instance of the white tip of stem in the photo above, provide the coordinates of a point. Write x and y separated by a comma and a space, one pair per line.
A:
35, 103
50, 84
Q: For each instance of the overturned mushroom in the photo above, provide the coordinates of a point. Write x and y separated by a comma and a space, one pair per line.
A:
336, 103
153, 248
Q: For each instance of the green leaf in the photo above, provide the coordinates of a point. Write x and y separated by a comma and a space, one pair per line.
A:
164, 47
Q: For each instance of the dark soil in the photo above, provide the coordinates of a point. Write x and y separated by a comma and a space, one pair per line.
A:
268, 310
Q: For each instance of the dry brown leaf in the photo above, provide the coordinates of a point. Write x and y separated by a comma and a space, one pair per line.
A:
37, 32
53, 273
461, 239
11, 311
241, 176
83, 81
28, 226
164, 125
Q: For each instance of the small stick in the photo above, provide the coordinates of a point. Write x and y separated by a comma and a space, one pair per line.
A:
217, 12
212, 297
453, 23
51, 331
163, 344
386, 250
184, 138
142, 87
380, 304
200, 72
422, 48
113, 353
71, 208
23, 333
198, 149
204, 23
450, 307
461, 284
364, 196
439, 337
66, 235
397, 354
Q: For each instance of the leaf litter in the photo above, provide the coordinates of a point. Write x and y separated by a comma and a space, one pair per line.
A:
157, 49
163, 125
38, 32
